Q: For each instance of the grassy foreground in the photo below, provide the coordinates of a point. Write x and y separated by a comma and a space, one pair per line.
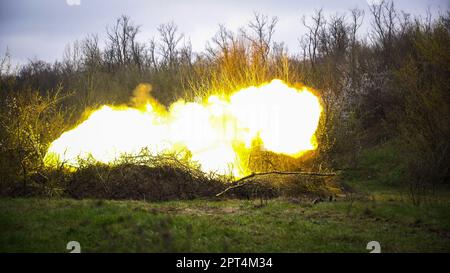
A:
43, 225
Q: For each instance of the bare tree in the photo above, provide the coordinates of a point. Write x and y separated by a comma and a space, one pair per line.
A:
357, 20
169, 41
384, 25
261, 32
334, 40
72, 57
357, 17
91, 52
186, 54
223, 39
152, 58
122, 47
313, 35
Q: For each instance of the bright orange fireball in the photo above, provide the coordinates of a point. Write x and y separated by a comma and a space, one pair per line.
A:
216, 132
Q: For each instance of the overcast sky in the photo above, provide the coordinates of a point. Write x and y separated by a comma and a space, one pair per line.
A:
42, 28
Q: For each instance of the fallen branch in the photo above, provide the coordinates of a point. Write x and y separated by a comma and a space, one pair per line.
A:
240, 182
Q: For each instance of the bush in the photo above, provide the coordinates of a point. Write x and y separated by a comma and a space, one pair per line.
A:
129, 181
28, 123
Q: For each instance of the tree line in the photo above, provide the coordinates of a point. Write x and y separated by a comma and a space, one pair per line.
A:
390, 85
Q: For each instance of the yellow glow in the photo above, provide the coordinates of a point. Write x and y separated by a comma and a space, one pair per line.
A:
216, 132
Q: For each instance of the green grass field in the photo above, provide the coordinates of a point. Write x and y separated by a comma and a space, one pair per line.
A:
43, 225
376, 210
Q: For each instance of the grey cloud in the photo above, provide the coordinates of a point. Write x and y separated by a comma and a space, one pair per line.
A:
42, 28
